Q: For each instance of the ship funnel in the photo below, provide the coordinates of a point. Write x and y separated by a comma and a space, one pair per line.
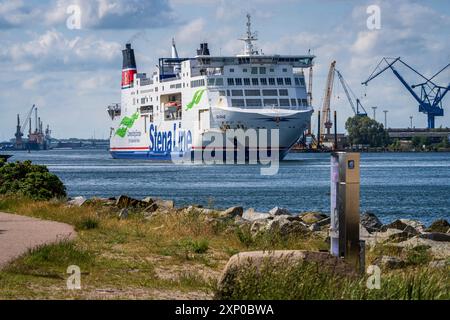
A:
128, 67
203, 51
174, 49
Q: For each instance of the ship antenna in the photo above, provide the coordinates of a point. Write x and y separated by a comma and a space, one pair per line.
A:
250, 36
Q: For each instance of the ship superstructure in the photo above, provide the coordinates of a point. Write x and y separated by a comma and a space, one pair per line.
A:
172, 109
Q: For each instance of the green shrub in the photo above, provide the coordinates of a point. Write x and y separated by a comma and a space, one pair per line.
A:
196, 246
87, 223
33, 181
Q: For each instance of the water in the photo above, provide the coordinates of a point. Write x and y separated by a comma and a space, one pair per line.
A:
393, 185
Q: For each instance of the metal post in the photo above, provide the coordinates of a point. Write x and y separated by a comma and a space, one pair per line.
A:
374, 113
318, 129
344, 229
385, 118
410, 119
335, 131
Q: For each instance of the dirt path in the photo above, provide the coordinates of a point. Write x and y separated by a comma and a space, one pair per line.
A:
19, 233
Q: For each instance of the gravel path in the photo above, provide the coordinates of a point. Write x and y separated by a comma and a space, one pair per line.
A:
20, 233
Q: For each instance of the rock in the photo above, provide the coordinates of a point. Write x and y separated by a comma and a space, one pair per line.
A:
363, 232
166, 204
286, 227
239, 264
436, 236
440, 225
252, 215
314, 227
279, 211
402, 224
370, 222
232, 212
382, 237
319, 224
123, 214
148, 199
312, 217
77, 201
439, 249
151, 208
411, 230
437, 264
128, 202
399, 237
258, 226
388, 262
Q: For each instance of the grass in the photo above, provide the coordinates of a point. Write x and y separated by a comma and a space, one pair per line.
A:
177, 255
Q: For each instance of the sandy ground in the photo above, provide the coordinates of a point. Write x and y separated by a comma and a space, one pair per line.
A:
19, 233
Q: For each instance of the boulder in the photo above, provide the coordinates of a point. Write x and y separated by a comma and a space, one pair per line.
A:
436, 236
252, 215
389, 235
151, 208
286, 227
388, 262
370, 222
440, 225
439, 249
123, 214
166, 204
320, 224
77, 201
312, 217
128, 202
148, 199
402, 224
258, 226
277, 211
232, 212
241, 263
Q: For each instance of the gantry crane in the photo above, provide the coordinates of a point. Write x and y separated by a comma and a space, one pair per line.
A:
347, 91
431, 94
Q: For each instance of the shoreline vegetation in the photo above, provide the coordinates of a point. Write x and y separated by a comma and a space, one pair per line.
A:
150, 249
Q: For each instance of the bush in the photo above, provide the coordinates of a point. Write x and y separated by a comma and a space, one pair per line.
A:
33, 181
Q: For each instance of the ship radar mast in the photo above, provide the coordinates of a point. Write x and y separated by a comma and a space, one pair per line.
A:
250, 36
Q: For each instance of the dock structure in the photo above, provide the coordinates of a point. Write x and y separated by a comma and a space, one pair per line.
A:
409, 133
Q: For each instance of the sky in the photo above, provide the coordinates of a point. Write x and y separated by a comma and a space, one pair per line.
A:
72, 74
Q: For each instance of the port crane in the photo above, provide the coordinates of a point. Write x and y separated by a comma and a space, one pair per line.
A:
348, 90
431, 94
20, 129
325, 123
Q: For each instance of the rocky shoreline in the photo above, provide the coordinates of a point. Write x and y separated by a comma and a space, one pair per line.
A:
401, 233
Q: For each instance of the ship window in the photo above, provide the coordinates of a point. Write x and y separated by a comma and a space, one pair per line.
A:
280, 81
272, 81
255, 81
262, 70
263, 81
211, 81
272, 70
235, 93
222, 93
253, 102
246, 81
230, 81
293, 102
244, 70
219, 82
237, 103
238, 81
302, 82
284, 70
252, 93
254, 70
284, 103
228, 93
284, 92
287, 81
304, 102
271, 102
270, 92
231, 70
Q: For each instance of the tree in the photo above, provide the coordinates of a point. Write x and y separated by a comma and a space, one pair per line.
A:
34, 181
363, 130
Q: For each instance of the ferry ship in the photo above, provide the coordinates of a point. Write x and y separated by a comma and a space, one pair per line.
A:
168, 113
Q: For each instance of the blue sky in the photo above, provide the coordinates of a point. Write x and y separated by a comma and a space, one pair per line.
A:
71, 75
